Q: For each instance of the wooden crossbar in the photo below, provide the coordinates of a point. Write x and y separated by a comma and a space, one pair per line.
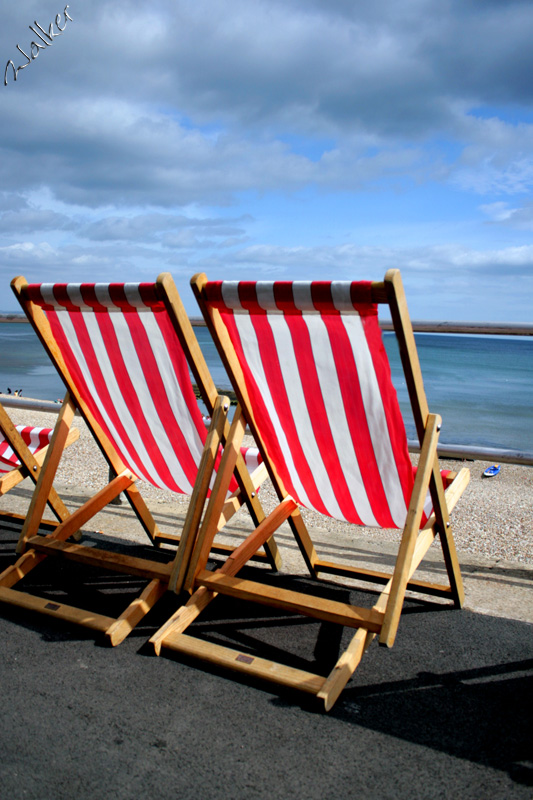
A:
14, 597
244, 663
95, 557
374, 576
296, 602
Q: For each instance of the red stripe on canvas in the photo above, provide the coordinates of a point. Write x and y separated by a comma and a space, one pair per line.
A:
160, 397
357, 420
97, 393
74, 296
393, 414
319, 421
131, 383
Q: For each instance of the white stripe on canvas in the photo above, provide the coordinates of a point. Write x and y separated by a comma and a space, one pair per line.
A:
301, 295
77, 351
336, 414
265, 295
142, 390
251, 353
230, 295
298, 404
377, 421
182, 414
47, 293
341, 295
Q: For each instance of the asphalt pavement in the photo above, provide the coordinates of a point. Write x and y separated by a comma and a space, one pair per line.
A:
445, 713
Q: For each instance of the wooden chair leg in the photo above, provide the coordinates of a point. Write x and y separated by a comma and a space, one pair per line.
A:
216, 503
449, 552
138, 609
412, 526
198, 497
44, 490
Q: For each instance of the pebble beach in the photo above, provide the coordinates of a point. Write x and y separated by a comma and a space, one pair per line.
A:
494, 517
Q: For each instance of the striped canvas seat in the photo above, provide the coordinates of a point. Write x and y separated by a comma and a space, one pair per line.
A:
127, 364
125, 352
317, 375
34, 438
307, 363
23, 450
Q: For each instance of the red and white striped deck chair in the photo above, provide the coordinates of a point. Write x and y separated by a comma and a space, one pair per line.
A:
311, 373
23, 449
123, 352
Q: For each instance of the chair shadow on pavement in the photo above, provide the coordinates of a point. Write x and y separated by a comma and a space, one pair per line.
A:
481, 713
456, 682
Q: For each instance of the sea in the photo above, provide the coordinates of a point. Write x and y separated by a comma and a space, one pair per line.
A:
481, 385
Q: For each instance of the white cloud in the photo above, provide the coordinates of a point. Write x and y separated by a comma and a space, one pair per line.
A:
148, 138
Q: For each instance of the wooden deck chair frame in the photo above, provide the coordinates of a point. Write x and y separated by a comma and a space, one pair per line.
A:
31, 463
160, 577
383, 618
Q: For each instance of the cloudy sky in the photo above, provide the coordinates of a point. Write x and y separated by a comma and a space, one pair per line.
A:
274, 139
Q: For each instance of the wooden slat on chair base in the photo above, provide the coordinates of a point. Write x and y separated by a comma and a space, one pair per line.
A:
114, 629
96, 622
326, 689
244, 663
136, 610
343, 670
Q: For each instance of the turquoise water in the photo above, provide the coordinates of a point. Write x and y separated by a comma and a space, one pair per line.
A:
482, 386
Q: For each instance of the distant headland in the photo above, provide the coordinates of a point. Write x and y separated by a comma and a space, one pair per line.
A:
419, 326
12, 318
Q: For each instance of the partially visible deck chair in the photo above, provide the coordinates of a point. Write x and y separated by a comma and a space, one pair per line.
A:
123, 352
23, 449
311, 373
